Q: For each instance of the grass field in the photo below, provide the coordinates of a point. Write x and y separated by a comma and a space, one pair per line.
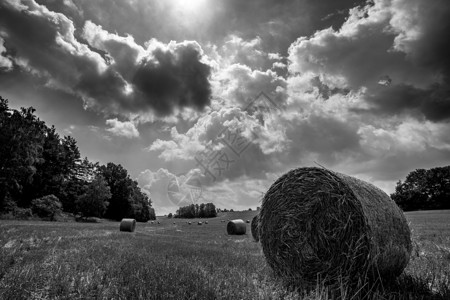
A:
68, 260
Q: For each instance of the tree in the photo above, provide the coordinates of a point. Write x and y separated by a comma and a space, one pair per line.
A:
59, 160
94, 201
203, 210
22, 137
46, 207
424, 189
120, 204
76, 183
127, 199
169, 215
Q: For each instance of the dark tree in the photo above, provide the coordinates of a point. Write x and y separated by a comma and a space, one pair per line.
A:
94, 201
203, 210
127, 199
424, 189
47, 207
22, 137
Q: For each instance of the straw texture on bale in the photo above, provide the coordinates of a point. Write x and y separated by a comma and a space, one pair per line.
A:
316, 224
236, 227
128, 225
255, 228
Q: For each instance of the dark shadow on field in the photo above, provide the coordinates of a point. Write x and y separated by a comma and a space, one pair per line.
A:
410, 287
405, 287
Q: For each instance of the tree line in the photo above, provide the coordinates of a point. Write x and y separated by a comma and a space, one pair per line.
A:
43, 172
203, 210
424, 189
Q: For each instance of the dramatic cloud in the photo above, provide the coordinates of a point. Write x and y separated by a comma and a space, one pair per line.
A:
404, 40
174, 78
111, 73
237, 92
125, 129
5, 61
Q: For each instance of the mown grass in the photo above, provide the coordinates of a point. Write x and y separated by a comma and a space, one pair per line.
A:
48, 260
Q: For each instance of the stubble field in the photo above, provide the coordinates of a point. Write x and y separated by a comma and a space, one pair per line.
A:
68, 260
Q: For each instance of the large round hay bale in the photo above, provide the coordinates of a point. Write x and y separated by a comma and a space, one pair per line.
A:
316, 224
255, 228
128, 225
236, 227
199, 223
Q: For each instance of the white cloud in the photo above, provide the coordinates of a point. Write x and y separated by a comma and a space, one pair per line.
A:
5, 62
125, 129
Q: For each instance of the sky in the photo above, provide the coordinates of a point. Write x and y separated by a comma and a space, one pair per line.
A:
213, 100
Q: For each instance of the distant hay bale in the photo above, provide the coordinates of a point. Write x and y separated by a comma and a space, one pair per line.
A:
206, 222
236, 227
128, 225
318, 224
189, 223
152, 222
199, 223
254, 227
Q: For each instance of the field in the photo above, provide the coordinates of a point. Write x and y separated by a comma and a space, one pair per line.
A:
68, 260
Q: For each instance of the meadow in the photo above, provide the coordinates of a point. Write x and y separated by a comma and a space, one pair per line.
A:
69, 260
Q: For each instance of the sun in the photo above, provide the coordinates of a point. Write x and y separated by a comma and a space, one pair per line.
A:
189, 6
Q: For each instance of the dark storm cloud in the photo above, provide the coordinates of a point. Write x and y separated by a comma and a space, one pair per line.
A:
432, 103
174, 79
427, 45
110, 73
406, 41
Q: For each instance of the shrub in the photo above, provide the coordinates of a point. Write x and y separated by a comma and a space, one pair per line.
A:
46, 207
22, 213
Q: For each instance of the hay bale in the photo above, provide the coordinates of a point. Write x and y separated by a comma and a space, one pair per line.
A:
199, 223
318, 224
255, 227
189, 223
236, 227
206, 222
128, 225
248, 221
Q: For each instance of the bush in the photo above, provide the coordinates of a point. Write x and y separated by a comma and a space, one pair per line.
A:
46, 207
22, 213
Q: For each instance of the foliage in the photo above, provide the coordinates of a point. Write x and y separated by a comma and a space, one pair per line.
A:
169, 215
35, 161
94, 201
22, 137
46, 207
207, 210
424, 189
127, 199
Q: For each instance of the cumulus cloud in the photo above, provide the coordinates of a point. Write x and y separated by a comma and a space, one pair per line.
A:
112, 74
228, 143
125, 129
238, 84
5, 61
404, 40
